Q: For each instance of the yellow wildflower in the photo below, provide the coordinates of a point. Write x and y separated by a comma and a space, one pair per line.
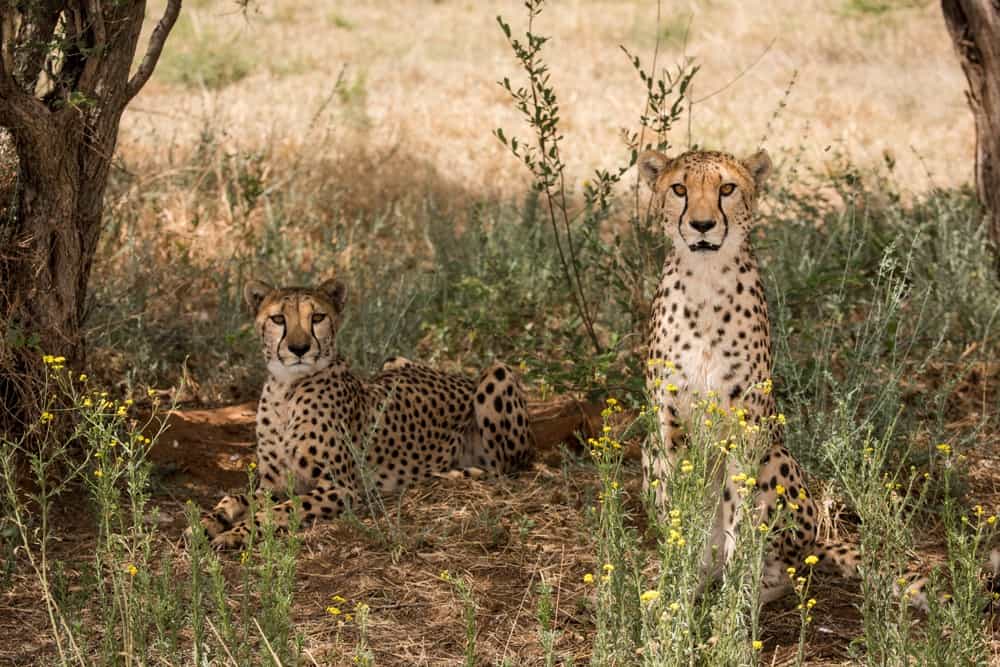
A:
649, 596
811, 560
944, 448
588, 578
98, 474
333, 611
758, 645
780, 490
686, 466
132, 570
46, 417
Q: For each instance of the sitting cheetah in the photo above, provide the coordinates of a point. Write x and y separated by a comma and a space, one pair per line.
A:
318, 423
709, 331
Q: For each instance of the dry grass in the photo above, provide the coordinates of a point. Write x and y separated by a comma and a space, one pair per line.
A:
420, 78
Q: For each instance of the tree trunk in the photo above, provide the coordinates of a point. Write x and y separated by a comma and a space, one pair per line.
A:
975, 31
64, 84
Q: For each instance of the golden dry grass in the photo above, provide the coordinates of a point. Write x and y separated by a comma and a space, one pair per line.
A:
421, 80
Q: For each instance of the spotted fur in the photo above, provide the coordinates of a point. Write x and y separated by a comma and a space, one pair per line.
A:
710, 321
319, 423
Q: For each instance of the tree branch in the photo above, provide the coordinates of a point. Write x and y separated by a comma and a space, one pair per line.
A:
156, 41
95, 16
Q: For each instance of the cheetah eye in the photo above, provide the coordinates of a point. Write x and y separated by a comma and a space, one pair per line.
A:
318, 317
278, 319
679, 189
727, 189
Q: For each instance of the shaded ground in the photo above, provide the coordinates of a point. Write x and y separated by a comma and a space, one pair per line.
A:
507, 535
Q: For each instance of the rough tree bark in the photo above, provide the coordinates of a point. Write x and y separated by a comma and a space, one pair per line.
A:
65, 80
975, 31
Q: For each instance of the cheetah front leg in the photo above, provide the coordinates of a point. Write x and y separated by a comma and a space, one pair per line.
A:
228, 511
660, 454
327, 501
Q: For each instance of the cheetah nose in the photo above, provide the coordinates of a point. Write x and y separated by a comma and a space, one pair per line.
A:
702, 225
298, 350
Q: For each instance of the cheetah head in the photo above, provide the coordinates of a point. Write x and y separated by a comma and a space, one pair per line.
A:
297, 326
706, 199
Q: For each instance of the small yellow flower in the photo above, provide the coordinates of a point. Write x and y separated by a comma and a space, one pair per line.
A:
763, 528
244, 558
674, 606
992, 520
608, 567
87, 403
740, 477
978, 510
751, 481
791, 571
333, 611
150, 392
98, 474
810, 603
253, 465
337, 599
83, 377
655, 483
649, 596
686, 467
46, 417
588, 578
605, 579
802, 493
780, 490
132, 570
944, 448
445, 575
758, 645
672, 388
811, 560
121, 411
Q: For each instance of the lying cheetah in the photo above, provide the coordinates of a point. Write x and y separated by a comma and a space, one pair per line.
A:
710, 331
319, 423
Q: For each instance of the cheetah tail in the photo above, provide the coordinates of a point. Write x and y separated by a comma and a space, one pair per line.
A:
843, 559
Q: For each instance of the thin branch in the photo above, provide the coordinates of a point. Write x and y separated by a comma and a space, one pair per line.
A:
156, 42
738, 76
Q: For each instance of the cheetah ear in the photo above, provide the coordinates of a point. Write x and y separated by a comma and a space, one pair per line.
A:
651, 165
336, 292
255, 292
759, 166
